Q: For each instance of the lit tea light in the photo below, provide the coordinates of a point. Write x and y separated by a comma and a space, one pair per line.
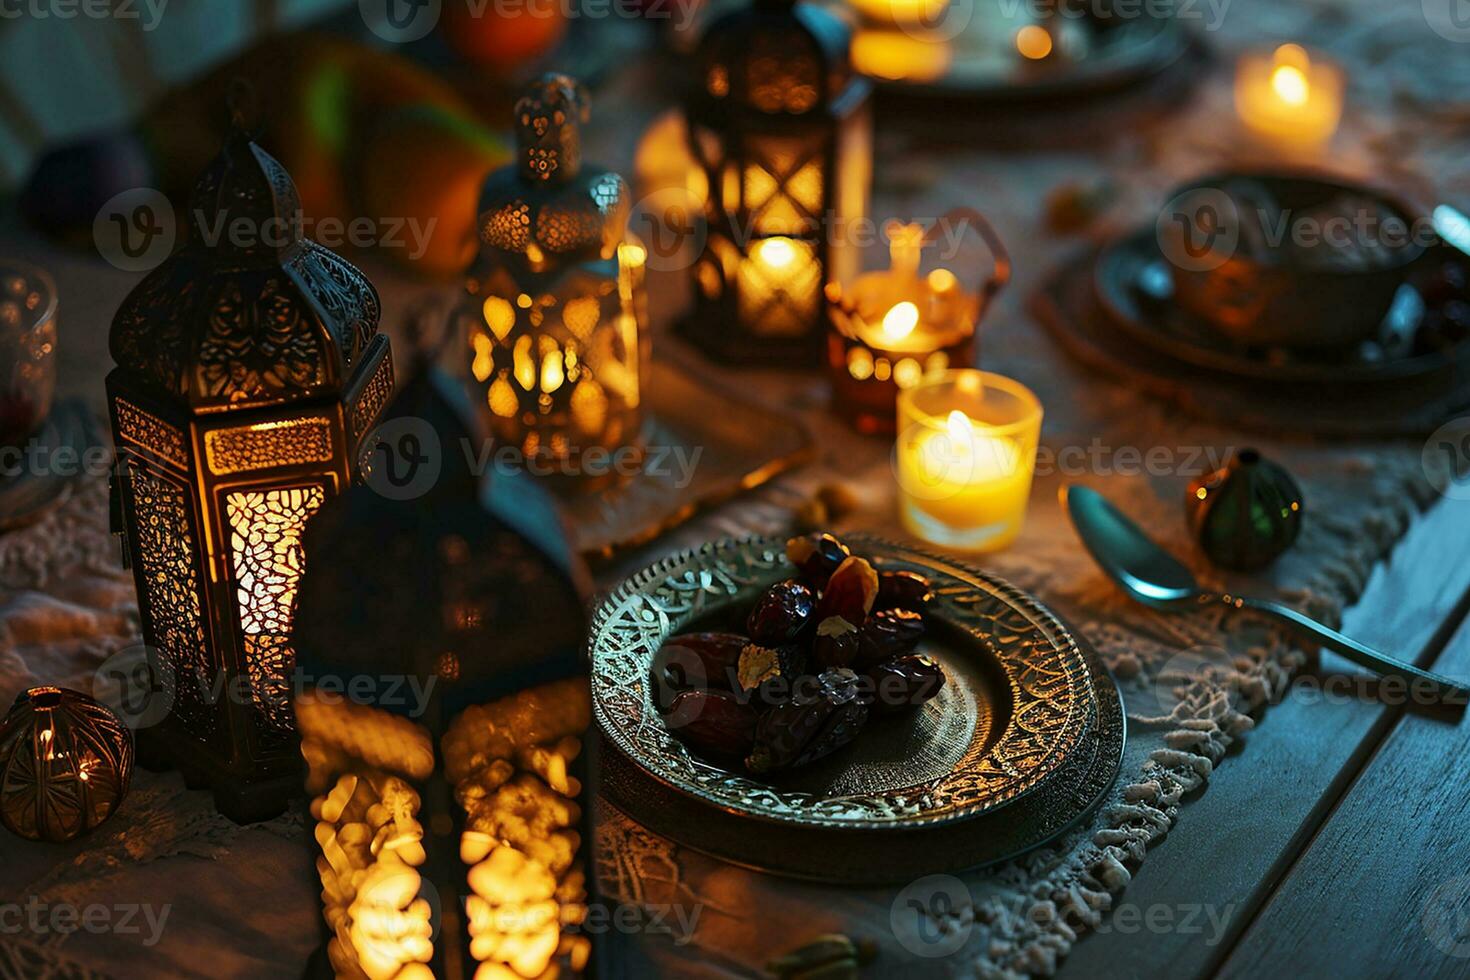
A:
904, 13
905, 54
965, 457
1288, 97
891, 328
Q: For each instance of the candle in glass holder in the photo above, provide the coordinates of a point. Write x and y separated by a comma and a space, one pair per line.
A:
891, 328
1288, 97
965, 457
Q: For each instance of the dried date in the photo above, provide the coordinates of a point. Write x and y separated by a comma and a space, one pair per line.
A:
767, 675
887, 634
907, 682
694, 661
836, 644
713, 723
820, 718
816, 556
781, 613
850, 592
902, 589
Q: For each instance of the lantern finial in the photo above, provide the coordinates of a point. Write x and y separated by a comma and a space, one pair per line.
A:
549, 117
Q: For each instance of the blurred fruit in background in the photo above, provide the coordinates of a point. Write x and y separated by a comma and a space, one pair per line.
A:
503, 41
71, 183
364, 133
427, 164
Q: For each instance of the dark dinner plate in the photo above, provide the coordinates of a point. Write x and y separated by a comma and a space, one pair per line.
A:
1132, 283
980, 62
1020, 745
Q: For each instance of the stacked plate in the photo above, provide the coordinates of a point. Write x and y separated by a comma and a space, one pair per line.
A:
1023, 741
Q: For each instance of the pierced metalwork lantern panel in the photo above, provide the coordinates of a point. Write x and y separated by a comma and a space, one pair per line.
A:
445, 724
783, 132
249, 374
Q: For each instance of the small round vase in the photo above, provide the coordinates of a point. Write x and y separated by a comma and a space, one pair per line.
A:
65, 763
1246, 513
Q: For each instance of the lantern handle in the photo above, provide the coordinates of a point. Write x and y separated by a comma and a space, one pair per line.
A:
1000, 259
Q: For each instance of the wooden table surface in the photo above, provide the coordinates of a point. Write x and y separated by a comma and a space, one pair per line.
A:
1340, 843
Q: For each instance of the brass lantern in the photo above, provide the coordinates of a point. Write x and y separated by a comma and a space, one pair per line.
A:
443, 709
557, 315
249, 368
783, 131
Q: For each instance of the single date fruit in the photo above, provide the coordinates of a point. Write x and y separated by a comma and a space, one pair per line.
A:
887, 634
818, 720
903, 683
713, 723
768, 674
901, 589
816, 556
850, 592
781, 613
693, 661
836, 644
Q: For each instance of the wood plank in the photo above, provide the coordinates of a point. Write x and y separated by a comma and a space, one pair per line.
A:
1384, 887
1237, 838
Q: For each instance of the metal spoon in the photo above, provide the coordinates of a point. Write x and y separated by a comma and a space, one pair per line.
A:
1153, 577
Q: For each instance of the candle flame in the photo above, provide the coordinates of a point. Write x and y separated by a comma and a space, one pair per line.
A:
1289, 76
900, 321
961, 429
1290, 84
777, 253
1033, 42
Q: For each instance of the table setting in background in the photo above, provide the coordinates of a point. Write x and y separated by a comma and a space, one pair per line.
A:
816, 491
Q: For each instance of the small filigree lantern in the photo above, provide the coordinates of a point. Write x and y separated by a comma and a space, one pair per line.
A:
783, 130
444, 713
249, 369
557, 313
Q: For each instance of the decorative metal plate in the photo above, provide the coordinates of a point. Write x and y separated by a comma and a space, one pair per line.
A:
1019, 698
869, 857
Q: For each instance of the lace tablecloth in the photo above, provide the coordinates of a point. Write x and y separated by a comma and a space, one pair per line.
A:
210, 898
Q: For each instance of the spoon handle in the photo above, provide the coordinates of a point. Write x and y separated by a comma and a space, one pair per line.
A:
1448, 691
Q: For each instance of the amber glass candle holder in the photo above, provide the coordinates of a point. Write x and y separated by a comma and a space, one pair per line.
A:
965, 457
891, 329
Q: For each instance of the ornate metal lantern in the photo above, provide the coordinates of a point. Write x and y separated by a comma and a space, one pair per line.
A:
249, 368
557, 314
443, 708
783, 131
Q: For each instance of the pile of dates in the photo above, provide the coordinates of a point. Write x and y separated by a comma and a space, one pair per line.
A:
821, 654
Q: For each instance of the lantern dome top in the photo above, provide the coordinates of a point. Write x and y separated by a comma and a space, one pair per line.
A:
776, 56
247, 311
473, 582
544, 204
